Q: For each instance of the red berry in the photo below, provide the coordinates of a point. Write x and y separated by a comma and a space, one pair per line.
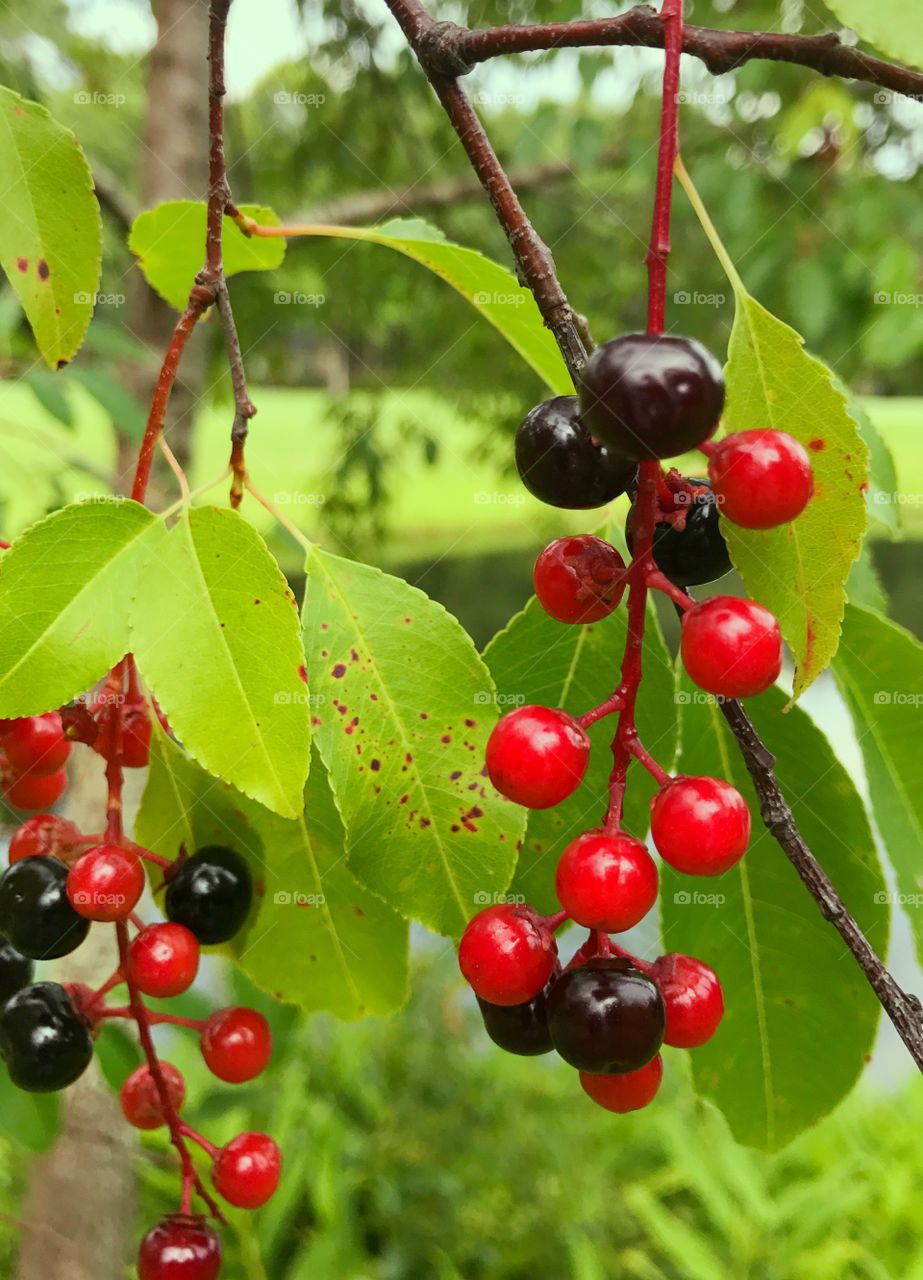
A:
627, 1092
37, 745
580, 579
761, 478
537, 756
105, 883
43, 834
700, 826
182, 1247
731, 647
163, 960
35, 790
246, 1171
140, 1096
692, 997
236, 1044
507, 954
606, 882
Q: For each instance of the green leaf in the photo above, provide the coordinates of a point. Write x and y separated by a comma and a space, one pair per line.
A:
800, 1017
215, 634
169, 242
32, 1120
879, 670
881, 495
322, 940
50, 395
129, 416
798, 570
65, 587
893, 28
402, 707
538, 660
50, 231
490, 288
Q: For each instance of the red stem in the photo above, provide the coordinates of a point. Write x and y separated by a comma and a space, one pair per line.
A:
671, 15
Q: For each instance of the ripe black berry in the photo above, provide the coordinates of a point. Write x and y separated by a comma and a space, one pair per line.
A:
697, 552
45, 1043
35, 912
560, 464
519, 1028
211, 894
651, 395
15, 970
606, 1016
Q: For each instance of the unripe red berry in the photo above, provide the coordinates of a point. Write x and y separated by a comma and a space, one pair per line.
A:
692, 997
181, 1247
627, 1092
105, 883
606, 882
236, 1044
163, 960
731, 647
700, 826
507, 954
537, 756
36, 744
761, 478
35, 790
579, 579
44, 834
140, 1097
246, 1172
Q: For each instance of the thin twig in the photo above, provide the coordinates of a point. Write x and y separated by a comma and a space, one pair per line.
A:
244, 408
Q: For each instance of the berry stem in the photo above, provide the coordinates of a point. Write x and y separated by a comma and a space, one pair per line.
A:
660, 582
671, 15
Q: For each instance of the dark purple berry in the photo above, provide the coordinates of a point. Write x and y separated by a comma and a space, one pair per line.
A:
560, 464
44, 1042
606, 1016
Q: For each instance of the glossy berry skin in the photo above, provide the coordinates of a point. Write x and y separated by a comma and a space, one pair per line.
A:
693, 999
606, 1016
606, 882
696, 553
537, 756
35, 790
761, 478
236, 1044
182, 1247
140, 1097
519, 1028
45, 1044
211, 894
700, 826
35, 912
43, 835
507, 954
628, 1092
579, 579
560, 464
105, 883
36, 744
651, 396
246, 1171
16, 970
731, 647
163, 960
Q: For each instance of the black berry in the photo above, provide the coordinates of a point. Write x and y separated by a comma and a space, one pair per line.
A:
46, 1045
35, 912
560, 464
519, 1028
211, 894
651, 395
606, 1016
15, 970
695, 553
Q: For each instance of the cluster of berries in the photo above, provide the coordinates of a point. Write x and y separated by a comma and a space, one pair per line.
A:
58, 882
641, 398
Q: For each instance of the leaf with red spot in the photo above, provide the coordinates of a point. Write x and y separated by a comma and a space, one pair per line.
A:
404, 707
50, 232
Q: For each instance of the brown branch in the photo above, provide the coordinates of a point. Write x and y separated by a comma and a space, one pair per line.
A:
449, 46
244, 408
533, 257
